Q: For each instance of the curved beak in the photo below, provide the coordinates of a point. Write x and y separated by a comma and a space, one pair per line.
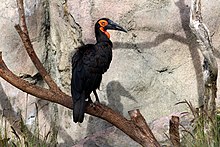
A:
114, 26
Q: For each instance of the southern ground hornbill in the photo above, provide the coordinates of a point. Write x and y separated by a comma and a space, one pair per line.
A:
88, 64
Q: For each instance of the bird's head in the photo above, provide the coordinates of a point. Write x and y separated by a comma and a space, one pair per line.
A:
104, 24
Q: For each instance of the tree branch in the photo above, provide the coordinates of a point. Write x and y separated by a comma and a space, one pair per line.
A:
22, 20
139, 133
58, 97
23, 32
140, 122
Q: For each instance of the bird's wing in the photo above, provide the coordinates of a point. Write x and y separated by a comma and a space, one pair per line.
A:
104, 54
80, 53
78, 70
98, 59
78, 82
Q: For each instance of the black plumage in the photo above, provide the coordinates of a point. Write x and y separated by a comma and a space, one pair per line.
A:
88, 64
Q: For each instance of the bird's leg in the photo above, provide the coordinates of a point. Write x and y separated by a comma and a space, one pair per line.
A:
96, 96
90, 102
89, 99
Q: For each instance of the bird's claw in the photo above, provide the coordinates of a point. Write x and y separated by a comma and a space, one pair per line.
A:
97, 102
94, 104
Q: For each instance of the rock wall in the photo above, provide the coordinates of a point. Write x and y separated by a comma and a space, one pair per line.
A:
155, 65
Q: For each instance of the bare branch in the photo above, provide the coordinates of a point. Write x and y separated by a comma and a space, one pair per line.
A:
22, 20
29, 48
37, 91
128, 127
140, 122
23, 32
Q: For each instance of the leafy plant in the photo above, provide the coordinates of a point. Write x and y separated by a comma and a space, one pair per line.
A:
199, 136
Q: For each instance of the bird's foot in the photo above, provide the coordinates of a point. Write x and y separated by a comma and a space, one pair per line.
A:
97, 101
90, 101
92, 105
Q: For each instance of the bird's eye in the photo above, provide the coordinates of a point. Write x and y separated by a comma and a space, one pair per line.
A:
103, 23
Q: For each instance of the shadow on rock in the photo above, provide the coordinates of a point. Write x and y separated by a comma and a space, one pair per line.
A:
114, 91
184, 11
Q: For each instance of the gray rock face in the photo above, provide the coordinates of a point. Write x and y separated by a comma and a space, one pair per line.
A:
155, 65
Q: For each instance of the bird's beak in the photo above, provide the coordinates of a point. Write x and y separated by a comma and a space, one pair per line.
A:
114, 26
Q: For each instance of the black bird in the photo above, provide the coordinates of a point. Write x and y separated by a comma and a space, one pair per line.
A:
88, 64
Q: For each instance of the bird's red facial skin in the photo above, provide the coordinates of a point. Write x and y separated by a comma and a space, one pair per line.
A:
104, 31
102, 24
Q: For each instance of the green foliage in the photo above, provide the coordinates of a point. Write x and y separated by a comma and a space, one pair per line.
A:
205, 132
10, 138
19, 141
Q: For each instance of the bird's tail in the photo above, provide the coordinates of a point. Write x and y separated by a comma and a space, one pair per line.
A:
79, 109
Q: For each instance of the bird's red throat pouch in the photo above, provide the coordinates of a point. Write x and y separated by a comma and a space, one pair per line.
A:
104, 31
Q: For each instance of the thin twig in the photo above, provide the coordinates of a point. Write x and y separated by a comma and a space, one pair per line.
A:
22, 20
